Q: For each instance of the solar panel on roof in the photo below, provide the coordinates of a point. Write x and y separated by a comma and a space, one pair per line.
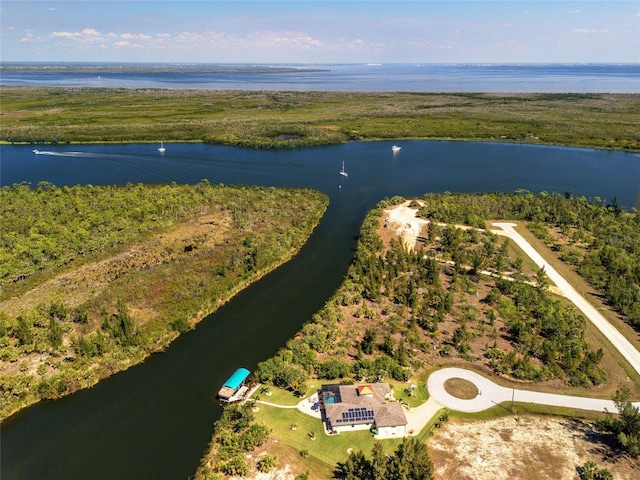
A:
356, 414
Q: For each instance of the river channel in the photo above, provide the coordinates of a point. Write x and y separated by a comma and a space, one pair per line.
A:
155, 420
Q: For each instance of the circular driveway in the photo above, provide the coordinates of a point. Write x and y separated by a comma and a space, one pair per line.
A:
491, 394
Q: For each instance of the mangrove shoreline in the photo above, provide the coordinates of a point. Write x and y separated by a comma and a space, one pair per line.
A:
282, 119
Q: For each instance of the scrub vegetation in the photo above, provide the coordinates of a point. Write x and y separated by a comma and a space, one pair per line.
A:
267, 119
84, 269
472, 296
467, 295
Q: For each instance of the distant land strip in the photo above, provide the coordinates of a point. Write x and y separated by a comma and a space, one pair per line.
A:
287, 119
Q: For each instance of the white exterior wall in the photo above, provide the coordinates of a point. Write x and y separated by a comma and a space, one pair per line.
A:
398, 431
352, 428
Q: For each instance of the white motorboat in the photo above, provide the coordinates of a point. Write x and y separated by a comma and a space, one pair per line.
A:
395, 148
342, 172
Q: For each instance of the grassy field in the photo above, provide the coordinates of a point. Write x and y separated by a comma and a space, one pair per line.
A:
324, 450
294, 119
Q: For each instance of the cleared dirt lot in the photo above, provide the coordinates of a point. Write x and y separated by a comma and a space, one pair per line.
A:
523, 448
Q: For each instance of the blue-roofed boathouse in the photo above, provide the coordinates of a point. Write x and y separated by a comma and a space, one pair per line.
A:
233, 389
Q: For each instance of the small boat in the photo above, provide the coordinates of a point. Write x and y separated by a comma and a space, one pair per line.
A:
395, 148
37, 152
342, 172
161, 149
234, 389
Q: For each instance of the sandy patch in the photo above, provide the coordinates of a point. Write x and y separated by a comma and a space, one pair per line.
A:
402, 219
523, 448
275, 474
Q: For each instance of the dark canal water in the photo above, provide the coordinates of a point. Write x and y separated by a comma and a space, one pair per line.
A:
155, 419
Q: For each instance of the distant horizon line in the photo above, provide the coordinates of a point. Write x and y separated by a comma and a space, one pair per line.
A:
373, 64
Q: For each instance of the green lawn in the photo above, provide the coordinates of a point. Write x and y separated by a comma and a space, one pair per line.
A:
326, 449
329, 449
418, 396
278, 396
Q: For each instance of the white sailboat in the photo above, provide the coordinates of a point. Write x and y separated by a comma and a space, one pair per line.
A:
161, 149
342, 172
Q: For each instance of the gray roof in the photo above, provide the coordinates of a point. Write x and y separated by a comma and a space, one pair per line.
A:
347, 397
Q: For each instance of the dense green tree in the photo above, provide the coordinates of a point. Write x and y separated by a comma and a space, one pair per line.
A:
267, 463
368, 341
356, 467
410, 461
626, 426
388, 344
379, 462
254, 436
590, 471
333, 368
55, 333
24, 331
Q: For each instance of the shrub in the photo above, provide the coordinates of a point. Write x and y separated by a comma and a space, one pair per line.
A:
267, 463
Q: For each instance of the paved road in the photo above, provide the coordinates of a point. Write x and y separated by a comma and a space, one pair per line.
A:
590, 312
491, 394
408, 227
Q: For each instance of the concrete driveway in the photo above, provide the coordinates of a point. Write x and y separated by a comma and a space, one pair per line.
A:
491, 394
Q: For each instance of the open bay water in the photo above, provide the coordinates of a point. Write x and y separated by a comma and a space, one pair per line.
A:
155, 419
402, 77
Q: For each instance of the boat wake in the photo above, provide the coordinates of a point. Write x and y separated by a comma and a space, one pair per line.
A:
64, 154
150, 167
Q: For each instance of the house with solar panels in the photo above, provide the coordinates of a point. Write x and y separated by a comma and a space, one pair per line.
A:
234, 388
362, 407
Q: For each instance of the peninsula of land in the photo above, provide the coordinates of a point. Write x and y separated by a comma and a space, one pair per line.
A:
83, 272
436, 283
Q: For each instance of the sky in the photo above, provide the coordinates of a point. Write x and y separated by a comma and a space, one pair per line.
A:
329, 31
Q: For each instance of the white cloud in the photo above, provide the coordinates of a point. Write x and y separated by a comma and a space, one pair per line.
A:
587, 31
420, 43
87, 35
90, 32
357, 44
263, 39
574, 12
91, 36
28, 38
65, 34
283, 39
132, 36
